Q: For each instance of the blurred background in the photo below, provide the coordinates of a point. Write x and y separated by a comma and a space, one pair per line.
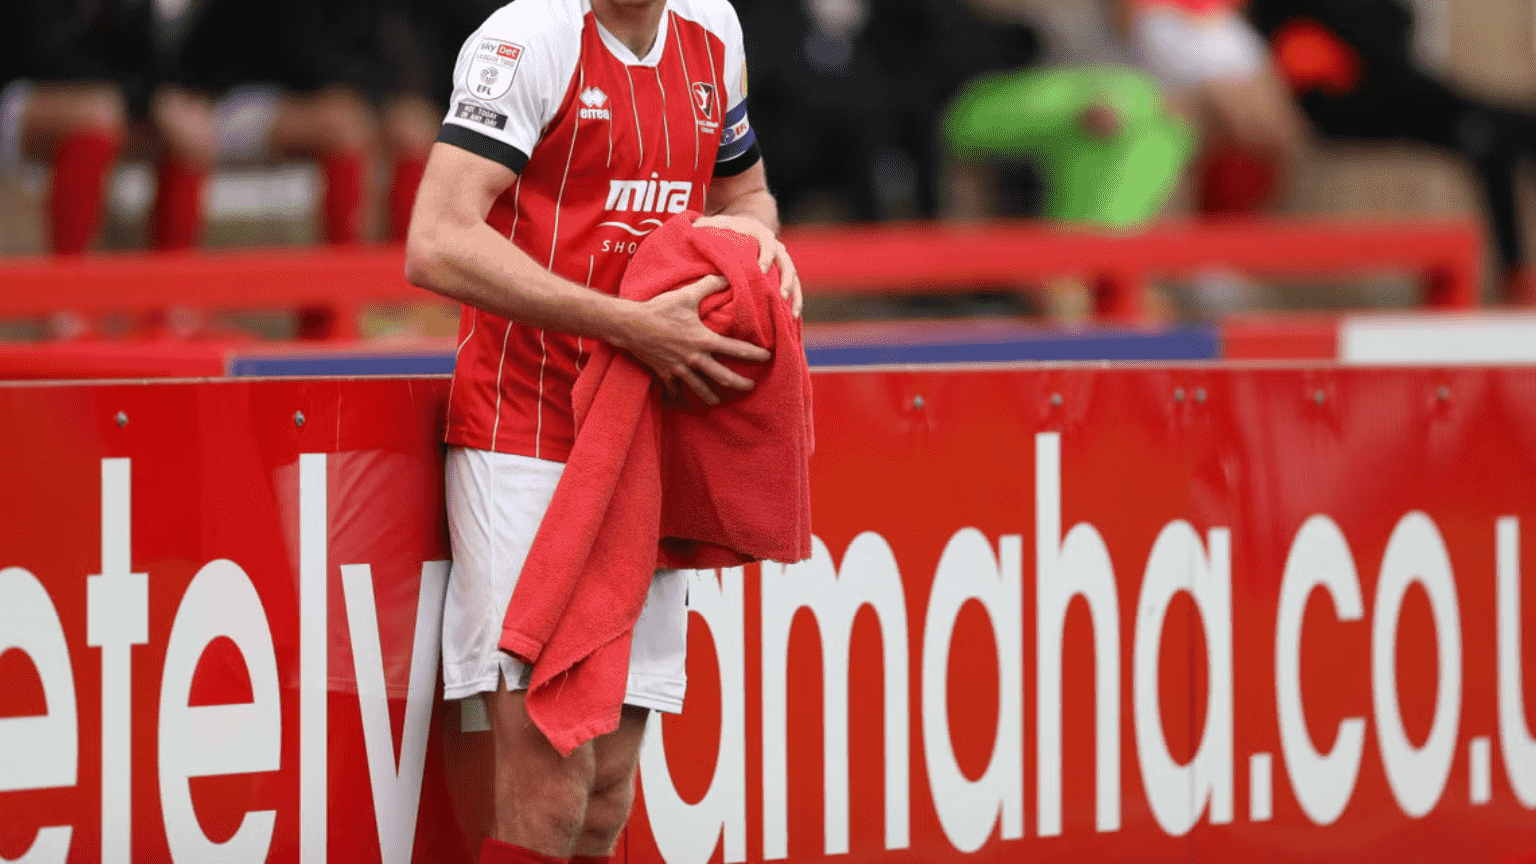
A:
169, 125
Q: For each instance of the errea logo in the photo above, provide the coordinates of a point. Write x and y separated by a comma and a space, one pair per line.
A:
594, 99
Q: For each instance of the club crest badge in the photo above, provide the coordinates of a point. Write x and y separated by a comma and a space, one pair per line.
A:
704, 100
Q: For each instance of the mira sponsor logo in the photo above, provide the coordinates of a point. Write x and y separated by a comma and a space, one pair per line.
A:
645, 196
649, 196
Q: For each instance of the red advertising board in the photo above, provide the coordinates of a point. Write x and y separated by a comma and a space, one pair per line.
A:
215, 589
1056, 614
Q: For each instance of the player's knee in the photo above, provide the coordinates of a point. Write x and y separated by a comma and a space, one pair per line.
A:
608, 809
342, 121
188, 132
549, 812
562, 819
410, 125
101, 110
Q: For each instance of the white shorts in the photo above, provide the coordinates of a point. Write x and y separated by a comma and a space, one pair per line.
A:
1183, 50
243, 120
495, 504
13, 103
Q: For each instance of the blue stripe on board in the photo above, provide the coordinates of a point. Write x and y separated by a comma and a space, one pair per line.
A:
343, 365
1178, 343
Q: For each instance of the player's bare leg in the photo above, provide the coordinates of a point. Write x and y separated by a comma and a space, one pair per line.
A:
57, 109
337, 127
408, 126
541, 797
187, 133
617, 755
79, 128
560, 806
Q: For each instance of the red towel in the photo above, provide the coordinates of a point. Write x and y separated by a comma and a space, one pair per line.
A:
652, 484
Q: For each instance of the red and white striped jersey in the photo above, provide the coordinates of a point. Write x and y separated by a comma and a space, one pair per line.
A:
607, 146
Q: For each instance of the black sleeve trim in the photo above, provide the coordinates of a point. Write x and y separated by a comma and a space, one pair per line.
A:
735, 165
483, 145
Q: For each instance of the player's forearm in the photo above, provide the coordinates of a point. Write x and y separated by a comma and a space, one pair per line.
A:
475, 265
756, 204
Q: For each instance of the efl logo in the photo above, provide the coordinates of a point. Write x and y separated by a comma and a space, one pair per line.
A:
735, 133
491, 70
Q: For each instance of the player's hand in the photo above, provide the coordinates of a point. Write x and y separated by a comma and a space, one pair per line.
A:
770, 251
669, 337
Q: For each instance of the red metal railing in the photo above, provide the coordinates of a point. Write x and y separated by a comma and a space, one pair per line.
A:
850, 260
833, 260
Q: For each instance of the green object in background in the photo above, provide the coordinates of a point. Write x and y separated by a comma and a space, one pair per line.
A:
1117, 179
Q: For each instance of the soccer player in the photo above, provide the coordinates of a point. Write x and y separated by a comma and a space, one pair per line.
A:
419, 44
64, 101
1217, 71
576, 127
1355, 73
291, 78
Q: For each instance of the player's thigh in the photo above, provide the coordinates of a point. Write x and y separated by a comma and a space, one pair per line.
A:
1259, 112
617, 754
410, 124
528, 766
616, 758
185, 124
325, 121
53, 110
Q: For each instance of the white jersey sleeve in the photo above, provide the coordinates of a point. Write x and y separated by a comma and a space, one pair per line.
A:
510, 78
738, 143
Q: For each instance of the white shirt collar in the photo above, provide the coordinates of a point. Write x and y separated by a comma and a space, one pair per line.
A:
622, 52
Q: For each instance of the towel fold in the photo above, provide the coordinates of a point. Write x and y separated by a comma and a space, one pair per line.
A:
669, 484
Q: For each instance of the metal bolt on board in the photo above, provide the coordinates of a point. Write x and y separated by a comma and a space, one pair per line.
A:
298, 418
122, 418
